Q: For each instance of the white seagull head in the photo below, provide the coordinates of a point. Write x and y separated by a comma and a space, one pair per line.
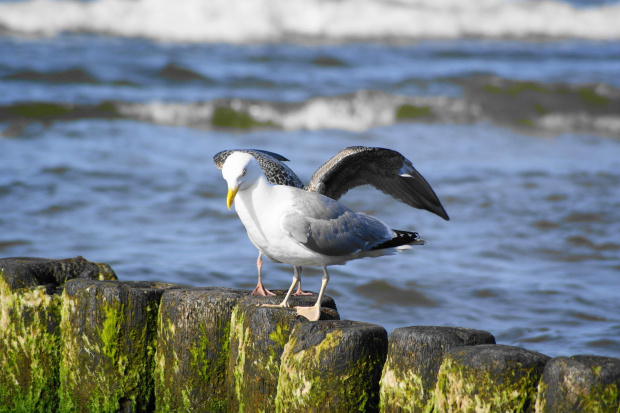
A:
240, 171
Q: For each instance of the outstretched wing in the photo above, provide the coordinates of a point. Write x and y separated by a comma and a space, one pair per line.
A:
271, 163
384, 169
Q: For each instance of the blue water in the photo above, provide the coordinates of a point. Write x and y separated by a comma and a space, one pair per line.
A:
531, 252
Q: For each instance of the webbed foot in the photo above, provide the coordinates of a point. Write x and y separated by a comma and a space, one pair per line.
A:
311, 313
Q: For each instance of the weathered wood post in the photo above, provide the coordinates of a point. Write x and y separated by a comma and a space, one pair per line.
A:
109, 332
487, 377
257, 338
72, 338
414, 357
332, 366
580, 384
192, 349
30, 314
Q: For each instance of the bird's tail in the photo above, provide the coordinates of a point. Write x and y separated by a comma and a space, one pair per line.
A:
401, 240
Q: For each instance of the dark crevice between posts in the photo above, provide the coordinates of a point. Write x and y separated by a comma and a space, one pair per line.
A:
30, 317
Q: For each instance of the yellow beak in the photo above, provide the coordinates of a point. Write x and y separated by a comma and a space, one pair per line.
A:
231, 196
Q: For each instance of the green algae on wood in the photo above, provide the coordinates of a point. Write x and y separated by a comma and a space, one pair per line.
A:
29, 349
192, 349
414, 357
257, 338
489, 378
332, 366
30, 315
580, 384
109, 332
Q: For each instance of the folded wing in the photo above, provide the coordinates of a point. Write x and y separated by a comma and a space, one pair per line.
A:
329, 228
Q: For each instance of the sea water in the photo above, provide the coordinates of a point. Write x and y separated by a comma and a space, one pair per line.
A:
107, 137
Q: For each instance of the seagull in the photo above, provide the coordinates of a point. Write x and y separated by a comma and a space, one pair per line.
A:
277, 173
306, 225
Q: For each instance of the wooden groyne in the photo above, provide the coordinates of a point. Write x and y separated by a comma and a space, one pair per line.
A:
75, 339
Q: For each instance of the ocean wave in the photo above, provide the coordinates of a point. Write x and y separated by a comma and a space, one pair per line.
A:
355, 112
238, 21
82, 76
531, 107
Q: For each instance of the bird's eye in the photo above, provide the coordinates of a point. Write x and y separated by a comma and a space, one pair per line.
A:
243, 173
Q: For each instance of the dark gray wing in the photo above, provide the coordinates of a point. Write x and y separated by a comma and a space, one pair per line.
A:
271, 163
384, 169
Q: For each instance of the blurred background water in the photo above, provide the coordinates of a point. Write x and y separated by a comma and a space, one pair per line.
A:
111, 110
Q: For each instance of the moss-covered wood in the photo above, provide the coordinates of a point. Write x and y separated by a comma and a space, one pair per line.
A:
257, 338
414, 357
109, 332
29, 349
110, 346
192, 349
580, 384
489, 378
27, 272
332, 366
30, 317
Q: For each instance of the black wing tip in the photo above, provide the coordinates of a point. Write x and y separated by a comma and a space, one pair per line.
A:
400, 238
424, 197
441, 212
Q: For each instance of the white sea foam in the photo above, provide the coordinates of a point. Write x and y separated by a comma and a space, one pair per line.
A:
242, 21
354, 112
361, 111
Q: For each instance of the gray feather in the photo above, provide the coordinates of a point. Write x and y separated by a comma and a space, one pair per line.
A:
329, 228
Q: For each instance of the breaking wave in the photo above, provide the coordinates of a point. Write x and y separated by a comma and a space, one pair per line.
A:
239, 21
531, 107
